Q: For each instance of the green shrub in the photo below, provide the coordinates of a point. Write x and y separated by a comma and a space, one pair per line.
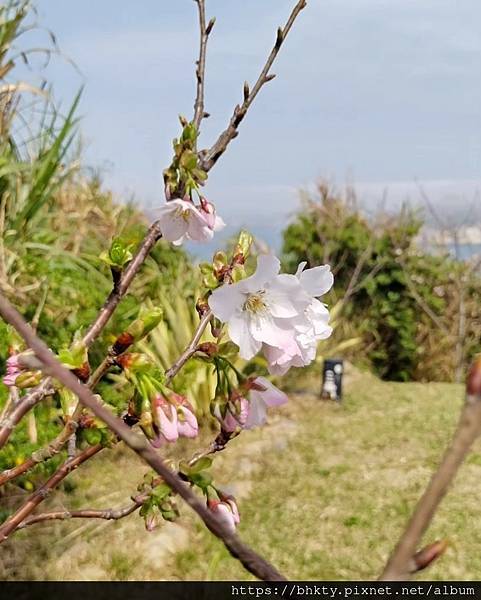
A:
402, 301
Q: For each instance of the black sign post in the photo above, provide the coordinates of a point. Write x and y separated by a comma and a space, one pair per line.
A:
332, 379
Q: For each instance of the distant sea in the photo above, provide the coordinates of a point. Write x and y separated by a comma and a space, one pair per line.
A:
271, 237
465, 251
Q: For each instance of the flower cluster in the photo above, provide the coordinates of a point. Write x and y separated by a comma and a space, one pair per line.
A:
163, 415
182, 220
278, 314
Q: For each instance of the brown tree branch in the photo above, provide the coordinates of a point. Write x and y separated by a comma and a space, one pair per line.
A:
191, 348
205, 30
254, 563
399, 565
122, 285
110, 514
211, 156
11, 420
13, 522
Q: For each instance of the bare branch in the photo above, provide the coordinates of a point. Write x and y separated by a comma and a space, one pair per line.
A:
205, 30
11, 420
12, 523
254, 563
399, 565
191, 348
211, 156
122, 285
109, 514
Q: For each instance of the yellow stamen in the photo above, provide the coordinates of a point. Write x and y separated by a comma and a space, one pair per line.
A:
255, 302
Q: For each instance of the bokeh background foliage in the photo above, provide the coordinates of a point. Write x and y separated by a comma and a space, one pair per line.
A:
416, 311
404, 312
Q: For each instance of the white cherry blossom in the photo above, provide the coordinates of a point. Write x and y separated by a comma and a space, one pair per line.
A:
310, 328
262, 395
276, 313
182, 220
258, 309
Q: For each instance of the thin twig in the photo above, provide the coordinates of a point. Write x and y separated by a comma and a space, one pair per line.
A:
205, 30
12, 523
11, 420
211, 156
254, 563
469, 428
122, 285
109, 514
191, 348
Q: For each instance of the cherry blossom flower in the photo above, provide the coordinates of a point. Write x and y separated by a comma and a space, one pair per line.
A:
226, 511
259, 309
214, 222
182, 220
173, 417
309, 328
262, 395
247, 413
276, 313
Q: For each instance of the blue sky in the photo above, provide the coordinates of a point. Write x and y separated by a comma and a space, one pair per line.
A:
378, 91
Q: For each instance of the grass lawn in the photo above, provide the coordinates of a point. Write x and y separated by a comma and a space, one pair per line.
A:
330, 503
324, 491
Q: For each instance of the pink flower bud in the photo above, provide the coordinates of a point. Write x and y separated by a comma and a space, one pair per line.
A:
165, 421
226, 512
214, 222
13, 370
234, 414
187, 425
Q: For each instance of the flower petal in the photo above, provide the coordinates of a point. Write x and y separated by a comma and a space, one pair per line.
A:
241, 335
272, 396
189, 427
225, 516
268, 267
286, 297
198, 226
317, 281
319, 317
225, 301
219, 223
173, 224
167, 426
257, 411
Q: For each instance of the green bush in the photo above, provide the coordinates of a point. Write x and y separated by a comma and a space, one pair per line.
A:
404, 302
